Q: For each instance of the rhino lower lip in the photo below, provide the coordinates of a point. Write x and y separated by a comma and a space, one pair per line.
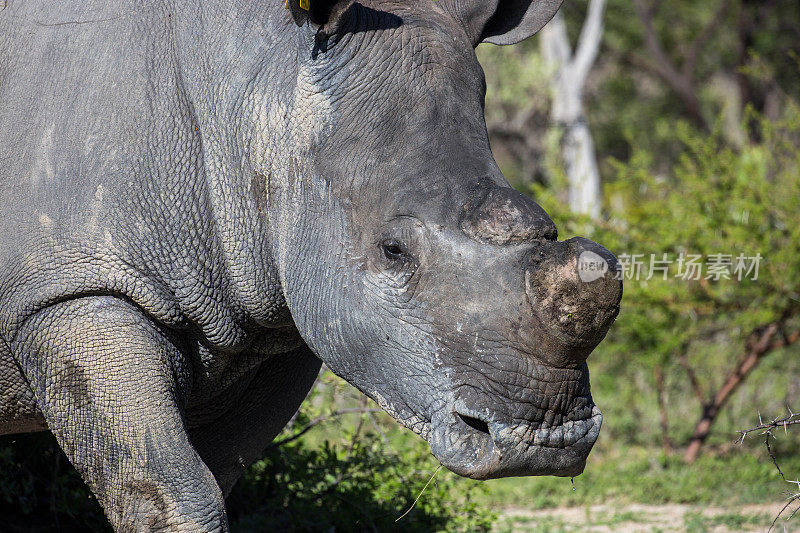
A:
471, 446
569, 433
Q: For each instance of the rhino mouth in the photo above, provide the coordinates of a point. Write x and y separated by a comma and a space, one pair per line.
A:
474, 445
545, 428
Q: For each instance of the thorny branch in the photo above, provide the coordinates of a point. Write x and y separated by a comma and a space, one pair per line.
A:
766, 430
790, 420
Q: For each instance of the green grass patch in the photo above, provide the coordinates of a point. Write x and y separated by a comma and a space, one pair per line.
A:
642, 476
554, 523
696, 522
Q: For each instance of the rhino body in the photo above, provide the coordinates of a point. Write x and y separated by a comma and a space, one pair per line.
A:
201, 201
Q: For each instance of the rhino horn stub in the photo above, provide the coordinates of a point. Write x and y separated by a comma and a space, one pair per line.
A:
575, 289
503, 216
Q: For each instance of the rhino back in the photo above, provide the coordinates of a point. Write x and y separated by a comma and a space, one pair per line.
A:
101, 183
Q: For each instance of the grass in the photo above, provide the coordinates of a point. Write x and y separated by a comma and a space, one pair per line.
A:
626, 468
691, 522
696, 522
547, 524
642, 476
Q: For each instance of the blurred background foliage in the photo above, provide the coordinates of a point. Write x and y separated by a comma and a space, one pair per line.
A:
693, 109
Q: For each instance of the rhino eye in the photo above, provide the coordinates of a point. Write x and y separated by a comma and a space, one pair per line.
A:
394, 250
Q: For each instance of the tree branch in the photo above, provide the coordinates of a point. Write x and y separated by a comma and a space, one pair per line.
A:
761, 342
683, 360
690, 61
664, 67
317, 421
588, 42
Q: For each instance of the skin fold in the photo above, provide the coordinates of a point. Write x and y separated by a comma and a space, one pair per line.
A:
204, 200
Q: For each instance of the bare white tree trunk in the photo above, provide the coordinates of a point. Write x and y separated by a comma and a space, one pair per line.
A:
569, 79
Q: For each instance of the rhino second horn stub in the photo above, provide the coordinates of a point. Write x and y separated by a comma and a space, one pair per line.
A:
503, 216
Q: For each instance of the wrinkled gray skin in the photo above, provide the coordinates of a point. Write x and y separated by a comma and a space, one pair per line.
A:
202, 200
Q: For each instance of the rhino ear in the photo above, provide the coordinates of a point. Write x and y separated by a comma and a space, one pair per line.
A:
318, 12
501, 21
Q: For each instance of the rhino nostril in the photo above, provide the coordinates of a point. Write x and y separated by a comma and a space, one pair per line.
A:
475, 423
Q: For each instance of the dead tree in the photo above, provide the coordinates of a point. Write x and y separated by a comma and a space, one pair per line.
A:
568, 82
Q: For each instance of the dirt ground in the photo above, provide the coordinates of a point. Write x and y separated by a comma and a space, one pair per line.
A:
649, 518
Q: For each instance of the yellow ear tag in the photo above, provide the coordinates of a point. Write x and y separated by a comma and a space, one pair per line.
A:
304, 4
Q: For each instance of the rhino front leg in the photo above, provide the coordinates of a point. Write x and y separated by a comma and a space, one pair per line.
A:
107, 380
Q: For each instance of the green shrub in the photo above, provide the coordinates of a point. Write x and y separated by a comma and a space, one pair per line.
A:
356, 473
363, 487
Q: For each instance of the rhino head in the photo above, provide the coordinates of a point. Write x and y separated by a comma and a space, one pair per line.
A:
409, 265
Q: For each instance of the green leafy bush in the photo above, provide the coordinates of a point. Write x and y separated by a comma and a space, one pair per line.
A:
356, 473
360, 487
